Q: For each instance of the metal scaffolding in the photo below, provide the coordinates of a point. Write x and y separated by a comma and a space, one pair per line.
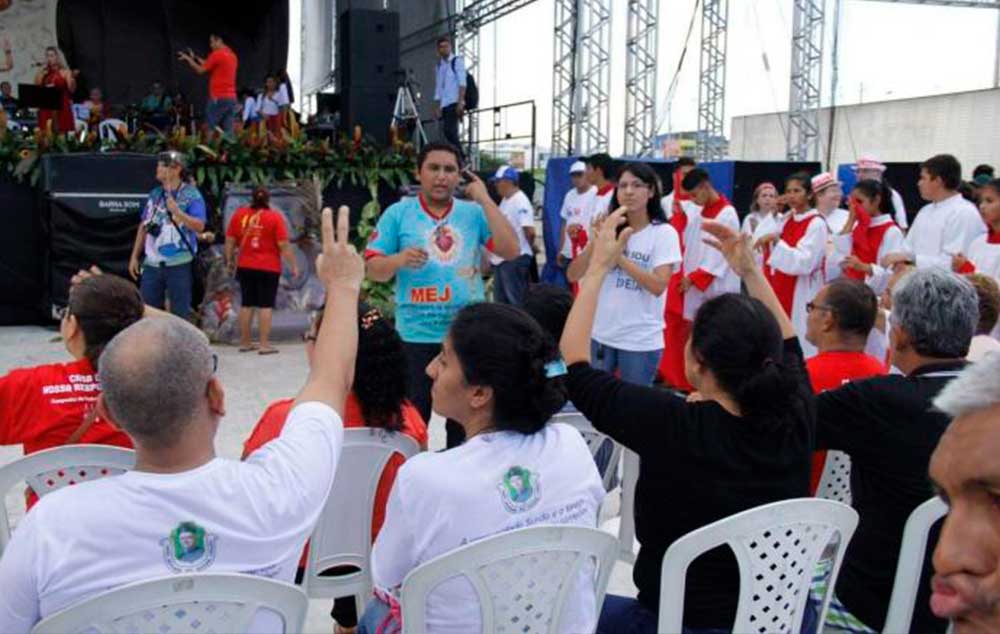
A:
711, 145
581, 91
808, 17
467, 42
640, 77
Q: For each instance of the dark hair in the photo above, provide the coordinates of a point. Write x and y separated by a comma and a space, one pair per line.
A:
261, 197
695, 177
4, 83
646, 174
872, 188
806, 181
379, 369
602, 161
739, 341
103, 305
217, 35
443, 38
994, 184
501, 347
946, 167
549, 305
983, 168
967, 190
685, 161
438, 146
853, 304
988, 292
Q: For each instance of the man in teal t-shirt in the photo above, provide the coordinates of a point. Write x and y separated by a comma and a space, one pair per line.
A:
433, 245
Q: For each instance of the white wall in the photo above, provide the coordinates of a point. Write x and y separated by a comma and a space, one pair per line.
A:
965, 124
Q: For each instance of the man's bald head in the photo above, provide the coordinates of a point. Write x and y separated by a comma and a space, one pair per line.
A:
154, 377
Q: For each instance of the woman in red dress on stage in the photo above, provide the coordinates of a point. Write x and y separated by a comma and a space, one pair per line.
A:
56, 75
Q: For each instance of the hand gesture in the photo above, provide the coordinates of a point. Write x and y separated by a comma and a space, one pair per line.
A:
891, 260
607, 247
476, 189
958, 261
685, 284
766, 241
734, 246
83, 274
339, 265
852, 262
412, 257
173, 207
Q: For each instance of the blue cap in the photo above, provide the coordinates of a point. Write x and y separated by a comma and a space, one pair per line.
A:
506, 172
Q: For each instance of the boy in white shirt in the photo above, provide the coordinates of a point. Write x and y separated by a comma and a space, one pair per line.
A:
575, 213
511, 277
182, 509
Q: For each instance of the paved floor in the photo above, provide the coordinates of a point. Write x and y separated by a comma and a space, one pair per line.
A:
251, 382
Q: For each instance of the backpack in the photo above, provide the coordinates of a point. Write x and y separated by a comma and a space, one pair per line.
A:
471, 90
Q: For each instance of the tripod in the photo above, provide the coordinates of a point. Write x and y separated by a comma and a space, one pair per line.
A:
405, 114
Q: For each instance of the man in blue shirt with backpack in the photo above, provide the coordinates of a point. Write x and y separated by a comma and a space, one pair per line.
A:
451, 81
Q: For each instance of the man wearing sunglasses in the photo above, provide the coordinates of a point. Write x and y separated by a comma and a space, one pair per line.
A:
168, 236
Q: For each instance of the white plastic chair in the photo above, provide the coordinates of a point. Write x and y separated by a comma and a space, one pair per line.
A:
182, 603
595, 441
835, 483
52, 469
522, 578
108, 129
777, 547
911, 562
343, 534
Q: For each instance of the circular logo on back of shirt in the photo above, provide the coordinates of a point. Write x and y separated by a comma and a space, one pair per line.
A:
519, 489
188, 548
444, 243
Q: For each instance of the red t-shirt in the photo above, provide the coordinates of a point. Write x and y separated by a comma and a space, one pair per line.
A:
221, 66
273, 420
257, 233
830, 370
42, 407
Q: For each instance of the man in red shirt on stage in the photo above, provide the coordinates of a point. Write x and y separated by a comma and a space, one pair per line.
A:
838, 321
221, 65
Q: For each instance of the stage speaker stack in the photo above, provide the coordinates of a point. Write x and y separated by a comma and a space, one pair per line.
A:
367, 63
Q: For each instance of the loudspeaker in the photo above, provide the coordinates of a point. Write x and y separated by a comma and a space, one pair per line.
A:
368, 61
368, 48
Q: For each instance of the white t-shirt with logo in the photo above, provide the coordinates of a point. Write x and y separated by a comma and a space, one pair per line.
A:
628, 316
225, 516
576, 211
520, 214
495, 482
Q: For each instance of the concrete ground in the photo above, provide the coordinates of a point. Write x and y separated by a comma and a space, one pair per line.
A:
251, 382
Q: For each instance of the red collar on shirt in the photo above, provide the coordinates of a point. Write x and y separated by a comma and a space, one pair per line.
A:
604, 190
427, 209
711, 210
993, 237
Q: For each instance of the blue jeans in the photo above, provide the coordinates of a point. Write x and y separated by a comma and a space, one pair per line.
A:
635, 367
510, 280
220, 112
174, 282
375, 615
623, 615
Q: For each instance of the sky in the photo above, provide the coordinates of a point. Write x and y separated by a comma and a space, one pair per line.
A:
886, 51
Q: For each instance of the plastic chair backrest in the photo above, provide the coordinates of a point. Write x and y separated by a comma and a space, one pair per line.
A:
108, 129
182, 603
911, 563
595, 442
522, 578
52, 469
777, 547
835, 483
343, 534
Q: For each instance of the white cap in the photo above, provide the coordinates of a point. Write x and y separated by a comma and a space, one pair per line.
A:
578, 167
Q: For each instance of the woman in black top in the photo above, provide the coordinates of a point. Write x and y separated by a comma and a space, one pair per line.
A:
743, 441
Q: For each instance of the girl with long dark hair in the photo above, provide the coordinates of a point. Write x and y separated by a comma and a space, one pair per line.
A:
377, 399
796, 246
744, 440
628, 329
869, 234
260, 235
499, 376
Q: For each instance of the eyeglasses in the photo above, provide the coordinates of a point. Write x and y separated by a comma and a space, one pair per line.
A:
810, 306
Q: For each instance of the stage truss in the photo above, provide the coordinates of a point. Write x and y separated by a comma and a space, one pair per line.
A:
712, 80
640, 77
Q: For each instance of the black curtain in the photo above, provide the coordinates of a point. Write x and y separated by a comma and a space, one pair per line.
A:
122, 46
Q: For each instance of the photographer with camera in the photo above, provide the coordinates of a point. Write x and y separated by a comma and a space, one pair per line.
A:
168, 235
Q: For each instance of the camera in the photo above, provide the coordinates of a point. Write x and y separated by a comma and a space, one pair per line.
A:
153, 228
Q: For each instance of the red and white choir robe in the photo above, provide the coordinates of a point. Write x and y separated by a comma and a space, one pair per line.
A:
795, 267
870, 241
710, 277
984, 255
942, 230
677, 207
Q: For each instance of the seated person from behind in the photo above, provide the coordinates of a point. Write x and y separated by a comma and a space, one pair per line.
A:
182, 509
377, 399
495, 376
